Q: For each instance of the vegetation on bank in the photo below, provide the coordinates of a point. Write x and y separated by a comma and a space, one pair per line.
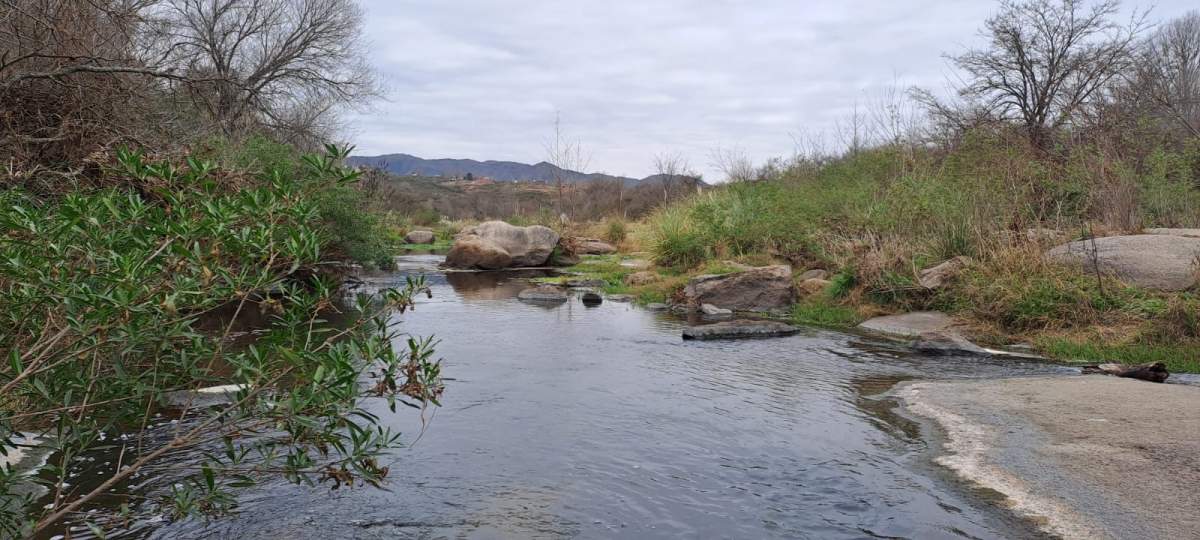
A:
118, 299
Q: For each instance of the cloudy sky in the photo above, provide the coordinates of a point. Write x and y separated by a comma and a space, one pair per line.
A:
483, 79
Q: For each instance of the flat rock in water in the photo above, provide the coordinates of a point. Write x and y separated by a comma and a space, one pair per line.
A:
204, 397
657, 306
544, 294
1151, 261
739, 330
768, 288
909, 325
584, 282
620, 298
947, 343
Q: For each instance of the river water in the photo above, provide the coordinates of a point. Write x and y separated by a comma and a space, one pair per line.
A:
600, 422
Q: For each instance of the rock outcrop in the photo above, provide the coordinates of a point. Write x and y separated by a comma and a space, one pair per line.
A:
1151, 261
419, 237
496, 244
764, 289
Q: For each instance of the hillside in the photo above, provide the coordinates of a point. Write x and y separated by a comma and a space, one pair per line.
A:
502, 171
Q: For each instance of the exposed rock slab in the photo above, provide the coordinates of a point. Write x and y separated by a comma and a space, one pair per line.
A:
1153, 372
768, 288
910, 325
740, 329
1152, 261
1088, 457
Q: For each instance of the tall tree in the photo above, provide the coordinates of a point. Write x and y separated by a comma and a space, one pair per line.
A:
1046, 59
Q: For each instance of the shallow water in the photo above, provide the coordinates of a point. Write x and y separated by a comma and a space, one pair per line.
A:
598, 422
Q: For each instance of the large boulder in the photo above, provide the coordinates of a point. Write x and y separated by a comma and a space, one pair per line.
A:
1151, 261
419, 237
524, 246
768, 288
477, 253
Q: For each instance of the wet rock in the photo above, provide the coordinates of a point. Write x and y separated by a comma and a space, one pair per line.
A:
578, 283
419, 237
768, 288
524, 246
739, 329
813, 286
543, 294
940, 275
620, 298
641, 278
656, 306
815, 273
710, 310
1153, 372
1151, 261
909, 325
947, 343
204, 397
591, 298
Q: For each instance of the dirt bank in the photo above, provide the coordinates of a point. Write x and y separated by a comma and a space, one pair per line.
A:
1088, 457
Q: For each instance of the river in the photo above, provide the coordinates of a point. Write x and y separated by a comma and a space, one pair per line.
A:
600, 422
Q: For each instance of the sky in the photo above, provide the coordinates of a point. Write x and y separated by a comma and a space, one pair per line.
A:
631, 79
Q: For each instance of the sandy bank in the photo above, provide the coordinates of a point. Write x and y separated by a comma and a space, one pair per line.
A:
1088, 457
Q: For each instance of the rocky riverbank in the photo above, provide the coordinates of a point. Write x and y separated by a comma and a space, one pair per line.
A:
1088, 457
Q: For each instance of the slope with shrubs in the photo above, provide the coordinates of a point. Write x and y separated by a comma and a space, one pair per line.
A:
875, 218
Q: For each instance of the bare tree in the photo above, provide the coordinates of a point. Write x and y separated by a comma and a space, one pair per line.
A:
565, 155
670, 168
734, 163
1168, 73
282, 64
854, 131
1045, 59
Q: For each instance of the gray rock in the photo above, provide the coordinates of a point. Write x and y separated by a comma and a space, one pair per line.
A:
419, 237
655, 306
620, 298
543, 294
525, 246
1151, 261
592, 298
909, 325
714, 311
204, 397
768, 288
940, 275
739, 329
592, 246
815, 273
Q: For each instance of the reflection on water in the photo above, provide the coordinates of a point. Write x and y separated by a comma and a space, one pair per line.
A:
603, 423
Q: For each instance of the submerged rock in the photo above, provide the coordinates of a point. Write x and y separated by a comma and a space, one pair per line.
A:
419, 237
764, 289
739, 329
1151, 261
543, 294
620, 298
947, 343
710, 310
485, 245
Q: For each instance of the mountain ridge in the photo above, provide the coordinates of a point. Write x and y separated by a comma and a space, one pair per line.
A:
501, 171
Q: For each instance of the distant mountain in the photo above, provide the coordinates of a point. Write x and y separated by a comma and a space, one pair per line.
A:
501, 171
